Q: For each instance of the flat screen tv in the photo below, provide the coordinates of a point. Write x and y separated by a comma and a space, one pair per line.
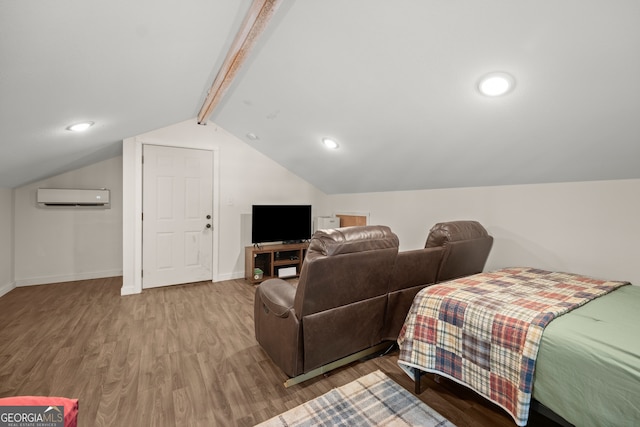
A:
280, 223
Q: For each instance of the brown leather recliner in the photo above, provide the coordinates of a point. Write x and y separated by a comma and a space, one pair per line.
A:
467, 245
453, 249
338, 307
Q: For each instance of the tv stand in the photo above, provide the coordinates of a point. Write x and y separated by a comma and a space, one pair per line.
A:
273, 258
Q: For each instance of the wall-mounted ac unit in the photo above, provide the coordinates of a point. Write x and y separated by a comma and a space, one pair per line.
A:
100, 198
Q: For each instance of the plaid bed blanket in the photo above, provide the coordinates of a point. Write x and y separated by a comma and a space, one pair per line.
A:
484, 331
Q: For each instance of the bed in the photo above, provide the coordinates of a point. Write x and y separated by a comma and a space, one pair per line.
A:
568, 341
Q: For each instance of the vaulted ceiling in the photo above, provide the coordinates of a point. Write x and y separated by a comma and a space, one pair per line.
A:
394, 82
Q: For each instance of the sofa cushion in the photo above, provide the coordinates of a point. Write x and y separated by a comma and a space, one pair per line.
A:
277, 296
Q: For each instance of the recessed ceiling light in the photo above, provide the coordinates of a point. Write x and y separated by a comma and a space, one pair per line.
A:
496, 84
330, 143
80, 127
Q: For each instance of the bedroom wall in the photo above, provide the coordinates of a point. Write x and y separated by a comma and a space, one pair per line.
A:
244, 177
64, 244
585, 227
7, 282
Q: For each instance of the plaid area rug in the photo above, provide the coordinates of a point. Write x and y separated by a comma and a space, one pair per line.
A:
373, 400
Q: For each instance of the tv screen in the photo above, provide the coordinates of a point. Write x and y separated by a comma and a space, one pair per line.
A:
280, 223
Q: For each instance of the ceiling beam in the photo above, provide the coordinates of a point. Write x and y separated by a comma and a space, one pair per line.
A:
258, 16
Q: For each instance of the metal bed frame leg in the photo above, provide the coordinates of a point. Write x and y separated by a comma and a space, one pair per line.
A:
417, 374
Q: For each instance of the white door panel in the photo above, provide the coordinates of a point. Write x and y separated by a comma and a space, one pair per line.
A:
177, 209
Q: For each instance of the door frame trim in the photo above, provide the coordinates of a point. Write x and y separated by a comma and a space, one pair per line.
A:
133, 234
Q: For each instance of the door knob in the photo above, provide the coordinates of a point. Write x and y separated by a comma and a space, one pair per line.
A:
208, 216
208, 225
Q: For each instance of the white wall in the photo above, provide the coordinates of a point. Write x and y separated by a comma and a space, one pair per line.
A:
64, 244
7, 282
244, 177
590, 228
586, 227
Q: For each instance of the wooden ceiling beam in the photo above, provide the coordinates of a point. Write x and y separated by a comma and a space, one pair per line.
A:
258, 16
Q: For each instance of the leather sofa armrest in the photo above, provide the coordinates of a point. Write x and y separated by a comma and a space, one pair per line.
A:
277, 296
415, 268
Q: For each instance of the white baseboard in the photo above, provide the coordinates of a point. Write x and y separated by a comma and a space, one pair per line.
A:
93, 275
230, 276
5, 289
128, 290
67, 278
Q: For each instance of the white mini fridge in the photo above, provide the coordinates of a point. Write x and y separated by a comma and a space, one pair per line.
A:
325, 222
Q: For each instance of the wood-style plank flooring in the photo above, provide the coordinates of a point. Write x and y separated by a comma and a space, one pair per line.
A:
176, 356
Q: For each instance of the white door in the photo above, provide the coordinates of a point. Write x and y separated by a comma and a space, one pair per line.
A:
177, 209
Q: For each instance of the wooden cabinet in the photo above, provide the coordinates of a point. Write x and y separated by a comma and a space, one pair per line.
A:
271, 259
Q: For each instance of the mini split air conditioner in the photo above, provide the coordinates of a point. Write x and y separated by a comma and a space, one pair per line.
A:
100, 198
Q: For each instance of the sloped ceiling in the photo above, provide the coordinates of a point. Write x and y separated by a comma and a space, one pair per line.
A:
393, 82
131, 66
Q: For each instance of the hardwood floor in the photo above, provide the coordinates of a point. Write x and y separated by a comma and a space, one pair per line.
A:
176, 356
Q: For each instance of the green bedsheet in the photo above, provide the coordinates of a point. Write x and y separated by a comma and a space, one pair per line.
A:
588, 367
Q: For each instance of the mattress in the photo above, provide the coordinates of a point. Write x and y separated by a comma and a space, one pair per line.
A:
588, 367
